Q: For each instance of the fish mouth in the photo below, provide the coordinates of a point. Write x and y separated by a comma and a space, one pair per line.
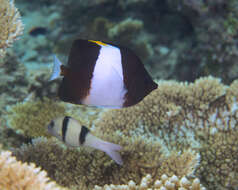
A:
49, 129
51, 125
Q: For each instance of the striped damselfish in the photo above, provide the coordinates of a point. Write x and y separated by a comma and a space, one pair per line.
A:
73, 134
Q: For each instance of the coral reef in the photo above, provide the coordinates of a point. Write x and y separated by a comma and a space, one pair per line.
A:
219, 161
182, 115
13, 88
125, 30
32, 117
16, 175
163, 134
11, 25
128, 33
41, 87
72, 167
171, 108
175, 39
214, 50
108, 21
14, 83
163, 183
9, 138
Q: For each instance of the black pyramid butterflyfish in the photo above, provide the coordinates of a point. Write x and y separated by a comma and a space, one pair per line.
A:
102, 75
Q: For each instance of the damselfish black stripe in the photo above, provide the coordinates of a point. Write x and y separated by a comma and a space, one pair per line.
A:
65, 127
83, 133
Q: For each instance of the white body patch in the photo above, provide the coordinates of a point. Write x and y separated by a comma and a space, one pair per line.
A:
107, 86
72, 133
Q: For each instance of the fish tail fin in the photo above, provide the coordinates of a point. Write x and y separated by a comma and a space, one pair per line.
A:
56, 69
109, 148
115, 156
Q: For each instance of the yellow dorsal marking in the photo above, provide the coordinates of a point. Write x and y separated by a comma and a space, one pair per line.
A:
98, 42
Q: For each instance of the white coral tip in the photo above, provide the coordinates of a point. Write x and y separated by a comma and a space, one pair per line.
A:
131, 184
174, 179
157, 184
169, 185
164, 177
184, 182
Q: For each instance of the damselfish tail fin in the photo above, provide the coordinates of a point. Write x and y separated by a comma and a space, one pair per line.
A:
109, 148
115, 156
56, 69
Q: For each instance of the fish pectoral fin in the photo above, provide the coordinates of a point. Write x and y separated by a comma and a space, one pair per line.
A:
56, 69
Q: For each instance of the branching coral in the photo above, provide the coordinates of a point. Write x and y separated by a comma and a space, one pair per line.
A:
11, 25
72, 167
219, 161
175, 111
9, 138
13, 84
182, 115
15, 175
32, 117
201, 116
215, 29
164, 183
127, 32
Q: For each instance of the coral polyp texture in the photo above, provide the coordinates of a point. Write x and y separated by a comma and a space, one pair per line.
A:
201, 115
72, 167
219, 161
216, 51
163, 183
178, 112
186, 130
15, 175
10, 25
32, 117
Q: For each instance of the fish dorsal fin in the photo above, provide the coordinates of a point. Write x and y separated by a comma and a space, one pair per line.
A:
98, 42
